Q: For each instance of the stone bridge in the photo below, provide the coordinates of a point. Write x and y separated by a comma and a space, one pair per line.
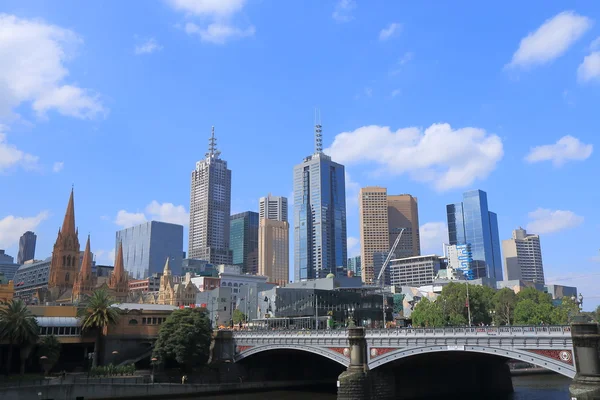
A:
572, 351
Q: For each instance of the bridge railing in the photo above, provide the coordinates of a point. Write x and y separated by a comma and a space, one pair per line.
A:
544, 330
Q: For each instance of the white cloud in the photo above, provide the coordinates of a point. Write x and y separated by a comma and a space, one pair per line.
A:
595, 45
368, 91
551, 40
155, 211
217, 26
105, 257
11, 156
353, 246
58, 166
405, 59
433, 235
390, 31
589, 69
396, 92
11, 227
148, 47
33, 56
544, 220
343, 10
126, 219
567, 148
218, 33
439, 155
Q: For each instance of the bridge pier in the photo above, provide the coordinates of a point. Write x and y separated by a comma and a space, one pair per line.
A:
586, 348
358, 382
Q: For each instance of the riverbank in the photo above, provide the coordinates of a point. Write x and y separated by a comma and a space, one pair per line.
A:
147, 391
530, 371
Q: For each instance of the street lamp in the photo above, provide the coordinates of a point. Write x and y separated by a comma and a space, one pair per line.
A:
45, 364
578, 301
351, 310
114, 354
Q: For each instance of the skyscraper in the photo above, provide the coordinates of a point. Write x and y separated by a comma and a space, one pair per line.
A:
471, 222
146, 246
374, 228
210, 205
319, 215
403, 213
523, 257
243, 241
274, 239
26, 247
382, 218
273, 207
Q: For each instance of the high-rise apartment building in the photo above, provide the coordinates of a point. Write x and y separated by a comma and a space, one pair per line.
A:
26, 247
471, 222
274, 239
273, 207
320, 245
374, 228
147, 246
403, 213
382, 218
210, 206
243, 241
523, 257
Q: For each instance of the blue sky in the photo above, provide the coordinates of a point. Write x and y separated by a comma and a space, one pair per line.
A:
429, 98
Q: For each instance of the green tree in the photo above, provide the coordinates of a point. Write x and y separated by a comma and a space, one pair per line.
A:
505, 301
49, 347
563, 313
18, 327
597, 317
185, 338
96, 316
238, 316
534, 307
428, 314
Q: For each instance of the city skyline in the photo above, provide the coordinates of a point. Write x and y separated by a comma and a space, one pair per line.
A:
489, 116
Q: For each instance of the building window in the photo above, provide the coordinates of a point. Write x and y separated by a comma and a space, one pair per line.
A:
133, 322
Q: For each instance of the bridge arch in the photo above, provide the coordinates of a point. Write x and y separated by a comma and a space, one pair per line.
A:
559, 367
330, 354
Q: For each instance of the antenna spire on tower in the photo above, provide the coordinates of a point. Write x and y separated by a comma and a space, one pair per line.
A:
212, 146
318, 134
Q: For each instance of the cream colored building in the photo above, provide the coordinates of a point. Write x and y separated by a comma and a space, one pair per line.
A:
273, 250
523, 257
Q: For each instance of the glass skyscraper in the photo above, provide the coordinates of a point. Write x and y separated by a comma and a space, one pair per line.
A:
471, 222
320, 244
243, 241
147, 246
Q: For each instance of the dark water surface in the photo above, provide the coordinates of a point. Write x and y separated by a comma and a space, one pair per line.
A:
535, 387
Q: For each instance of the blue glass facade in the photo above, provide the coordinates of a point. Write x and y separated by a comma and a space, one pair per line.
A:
470, 222
147, 246
243, 241
320, 244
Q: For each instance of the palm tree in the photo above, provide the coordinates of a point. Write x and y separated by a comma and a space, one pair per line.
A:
49, 348
19, 327
97, 315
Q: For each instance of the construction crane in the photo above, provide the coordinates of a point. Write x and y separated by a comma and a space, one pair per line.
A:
381, 278
389, 258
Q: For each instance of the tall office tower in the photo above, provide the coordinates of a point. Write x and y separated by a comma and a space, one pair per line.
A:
147, 246
374, 228
26, 247
403, 213
354, 265
274, 239
471, 222
273, 207
243, 241
210, 205
523, 257
319, 215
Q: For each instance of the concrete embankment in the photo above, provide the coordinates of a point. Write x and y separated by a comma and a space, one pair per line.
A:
83, 391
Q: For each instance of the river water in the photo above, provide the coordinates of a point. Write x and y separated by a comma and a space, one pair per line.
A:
534, 387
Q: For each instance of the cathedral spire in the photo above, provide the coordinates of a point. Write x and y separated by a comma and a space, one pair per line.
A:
167, 270
119, 270
68, 226
86, 262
